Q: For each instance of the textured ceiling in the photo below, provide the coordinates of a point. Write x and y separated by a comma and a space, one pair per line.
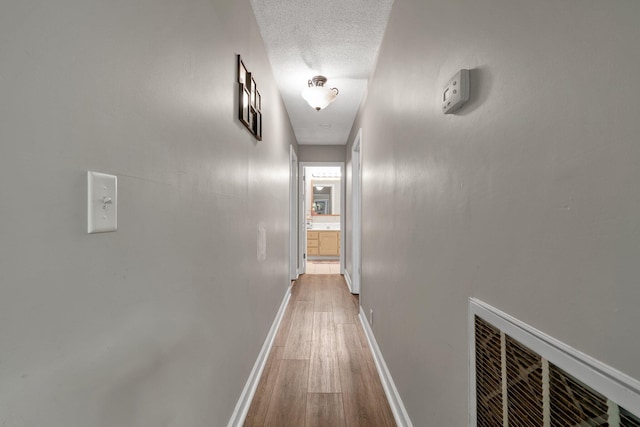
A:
338, 39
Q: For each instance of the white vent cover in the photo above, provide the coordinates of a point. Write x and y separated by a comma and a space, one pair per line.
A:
521, 377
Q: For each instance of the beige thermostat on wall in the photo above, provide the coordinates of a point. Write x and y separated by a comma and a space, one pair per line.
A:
456, 92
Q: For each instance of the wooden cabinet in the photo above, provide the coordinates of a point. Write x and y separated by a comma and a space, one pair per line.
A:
325, 243
313, 242
328, 243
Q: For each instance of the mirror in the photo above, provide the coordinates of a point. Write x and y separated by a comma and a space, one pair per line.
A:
324, 197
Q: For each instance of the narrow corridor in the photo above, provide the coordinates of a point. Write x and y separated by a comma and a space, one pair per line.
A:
320, 371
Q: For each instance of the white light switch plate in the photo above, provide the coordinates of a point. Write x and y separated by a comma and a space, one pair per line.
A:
102, 202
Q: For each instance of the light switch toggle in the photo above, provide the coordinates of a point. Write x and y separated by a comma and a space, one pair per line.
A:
102, 215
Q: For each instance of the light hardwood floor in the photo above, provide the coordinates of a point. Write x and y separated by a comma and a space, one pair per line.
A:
320, 372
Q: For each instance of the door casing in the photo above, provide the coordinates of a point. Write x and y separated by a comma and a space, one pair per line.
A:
302, 225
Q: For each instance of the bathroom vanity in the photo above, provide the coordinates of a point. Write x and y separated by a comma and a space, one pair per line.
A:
323, 242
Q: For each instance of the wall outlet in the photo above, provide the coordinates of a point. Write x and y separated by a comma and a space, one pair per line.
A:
371, 316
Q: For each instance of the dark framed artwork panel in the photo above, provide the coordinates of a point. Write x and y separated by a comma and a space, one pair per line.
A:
242, 72
256, 123
249, 100
244, 112
253, 92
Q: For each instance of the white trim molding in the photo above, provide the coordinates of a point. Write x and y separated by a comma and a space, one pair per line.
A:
302, 242
615, 385
347, 278
356, 212
242, 407
397, 407
293, 214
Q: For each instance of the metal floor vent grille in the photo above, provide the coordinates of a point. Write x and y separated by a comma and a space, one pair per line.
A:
524, 385
627, 419
516, 387
489, 375
573, 403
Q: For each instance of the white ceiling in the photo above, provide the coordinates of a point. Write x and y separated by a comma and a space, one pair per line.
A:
338, 39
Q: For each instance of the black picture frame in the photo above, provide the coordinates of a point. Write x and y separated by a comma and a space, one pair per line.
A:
253, 92
245, 106
242, 72
256, 123
249, 100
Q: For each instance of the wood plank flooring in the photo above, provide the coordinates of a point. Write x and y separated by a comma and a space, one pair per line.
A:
320, 372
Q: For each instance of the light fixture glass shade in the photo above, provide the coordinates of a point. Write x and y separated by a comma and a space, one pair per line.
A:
317, 95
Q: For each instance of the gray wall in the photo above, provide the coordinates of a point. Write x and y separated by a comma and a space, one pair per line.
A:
159, 323
527, 199
321, 153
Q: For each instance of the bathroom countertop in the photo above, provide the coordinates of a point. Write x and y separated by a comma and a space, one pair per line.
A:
320, 227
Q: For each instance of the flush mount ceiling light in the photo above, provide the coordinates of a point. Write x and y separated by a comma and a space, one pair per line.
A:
317, 95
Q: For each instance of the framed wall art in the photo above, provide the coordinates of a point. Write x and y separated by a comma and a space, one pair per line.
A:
249, 101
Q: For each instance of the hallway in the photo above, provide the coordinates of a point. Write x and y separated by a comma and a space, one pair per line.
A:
320, 371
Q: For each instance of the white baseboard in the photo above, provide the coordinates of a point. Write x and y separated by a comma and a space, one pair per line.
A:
347, 278
242, 407
397, 407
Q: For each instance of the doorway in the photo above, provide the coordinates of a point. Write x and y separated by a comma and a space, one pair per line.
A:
356, 221
321, 190
293, 214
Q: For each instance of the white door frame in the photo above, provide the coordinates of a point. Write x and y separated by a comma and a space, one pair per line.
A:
293, 214
356, 222
302, 241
